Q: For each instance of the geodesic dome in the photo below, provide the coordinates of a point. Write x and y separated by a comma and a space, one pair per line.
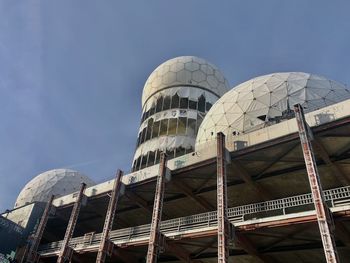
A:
266, 100
187, 71
57, 182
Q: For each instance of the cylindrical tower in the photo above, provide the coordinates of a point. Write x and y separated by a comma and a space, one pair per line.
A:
175, 99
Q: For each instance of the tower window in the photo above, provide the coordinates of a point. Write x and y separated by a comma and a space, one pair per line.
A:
159, 104
193, 104
172, 126
181, 127
163, 127
166, 103
155, 129
201, 103
175, 101
183, 103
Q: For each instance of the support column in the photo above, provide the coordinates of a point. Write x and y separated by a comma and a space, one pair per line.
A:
66, 251
106, 245
32, 255
324, 217
155, 235
223, 223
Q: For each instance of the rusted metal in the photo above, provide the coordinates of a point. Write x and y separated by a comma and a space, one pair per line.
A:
223, 222
323, 214
32, 255
66, 252
106, 246
155, 235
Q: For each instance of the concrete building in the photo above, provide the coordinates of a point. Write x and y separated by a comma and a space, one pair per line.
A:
240, 191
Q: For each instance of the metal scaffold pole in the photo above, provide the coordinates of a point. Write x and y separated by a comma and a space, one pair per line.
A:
66, 251
106, 246
155, 235
32, 255
223, 223
324, 217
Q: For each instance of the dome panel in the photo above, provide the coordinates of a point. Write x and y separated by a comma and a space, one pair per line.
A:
186, 70
57, 182
268, 99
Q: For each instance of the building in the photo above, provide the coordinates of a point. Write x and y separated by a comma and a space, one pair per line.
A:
246, 156
176, 97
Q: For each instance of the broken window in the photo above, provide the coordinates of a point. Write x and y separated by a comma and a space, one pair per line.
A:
175, 101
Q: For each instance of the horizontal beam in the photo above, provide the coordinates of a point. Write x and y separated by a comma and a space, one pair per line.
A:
125, 256
249, 247
189, 193
247, 178
337, 172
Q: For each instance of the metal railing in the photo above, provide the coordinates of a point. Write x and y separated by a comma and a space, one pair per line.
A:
300, 203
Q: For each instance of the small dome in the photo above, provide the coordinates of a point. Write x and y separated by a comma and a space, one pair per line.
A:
185, 71
57, 182
266, 100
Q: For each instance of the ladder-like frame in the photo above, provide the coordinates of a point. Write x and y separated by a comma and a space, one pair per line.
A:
324, 217
66, 252
223, 222
32, 255
106, 245
155, 235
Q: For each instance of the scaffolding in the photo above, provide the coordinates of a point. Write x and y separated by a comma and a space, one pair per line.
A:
324, 217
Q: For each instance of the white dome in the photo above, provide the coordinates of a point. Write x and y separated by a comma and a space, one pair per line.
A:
57, 182
266, 100
185, 71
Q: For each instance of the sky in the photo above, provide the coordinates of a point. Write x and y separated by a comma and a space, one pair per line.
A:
72, 72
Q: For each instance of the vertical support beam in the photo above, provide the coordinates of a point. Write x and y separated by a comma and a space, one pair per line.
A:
223, 223
32, 255
155, 235
324, 218
105, 244
66, 251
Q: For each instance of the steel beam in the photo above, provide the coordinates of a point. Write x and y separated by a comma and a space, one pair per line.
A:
32, 255
189, 193
343, 233
178, 251
155, 235
249, 247
288, 236
125, 256
204, 248
66, 252
343, 150
277, 159
139, 201
337, 172
323, 214
246, 177
106, 246
223, 222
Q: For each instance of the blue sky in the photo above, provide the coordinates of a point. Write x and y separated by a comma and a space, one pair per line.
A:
72, 72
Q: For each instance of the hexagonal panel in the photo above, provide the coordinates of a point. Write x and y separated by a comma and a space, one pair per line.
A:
263, 99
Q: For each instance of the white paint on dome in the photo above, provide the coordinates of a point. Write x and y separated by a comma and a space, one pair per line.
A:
57, 182
185, 71
266, 100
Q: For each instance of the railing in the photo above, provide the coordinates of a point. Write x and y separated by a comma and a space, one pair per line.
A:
334, 197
